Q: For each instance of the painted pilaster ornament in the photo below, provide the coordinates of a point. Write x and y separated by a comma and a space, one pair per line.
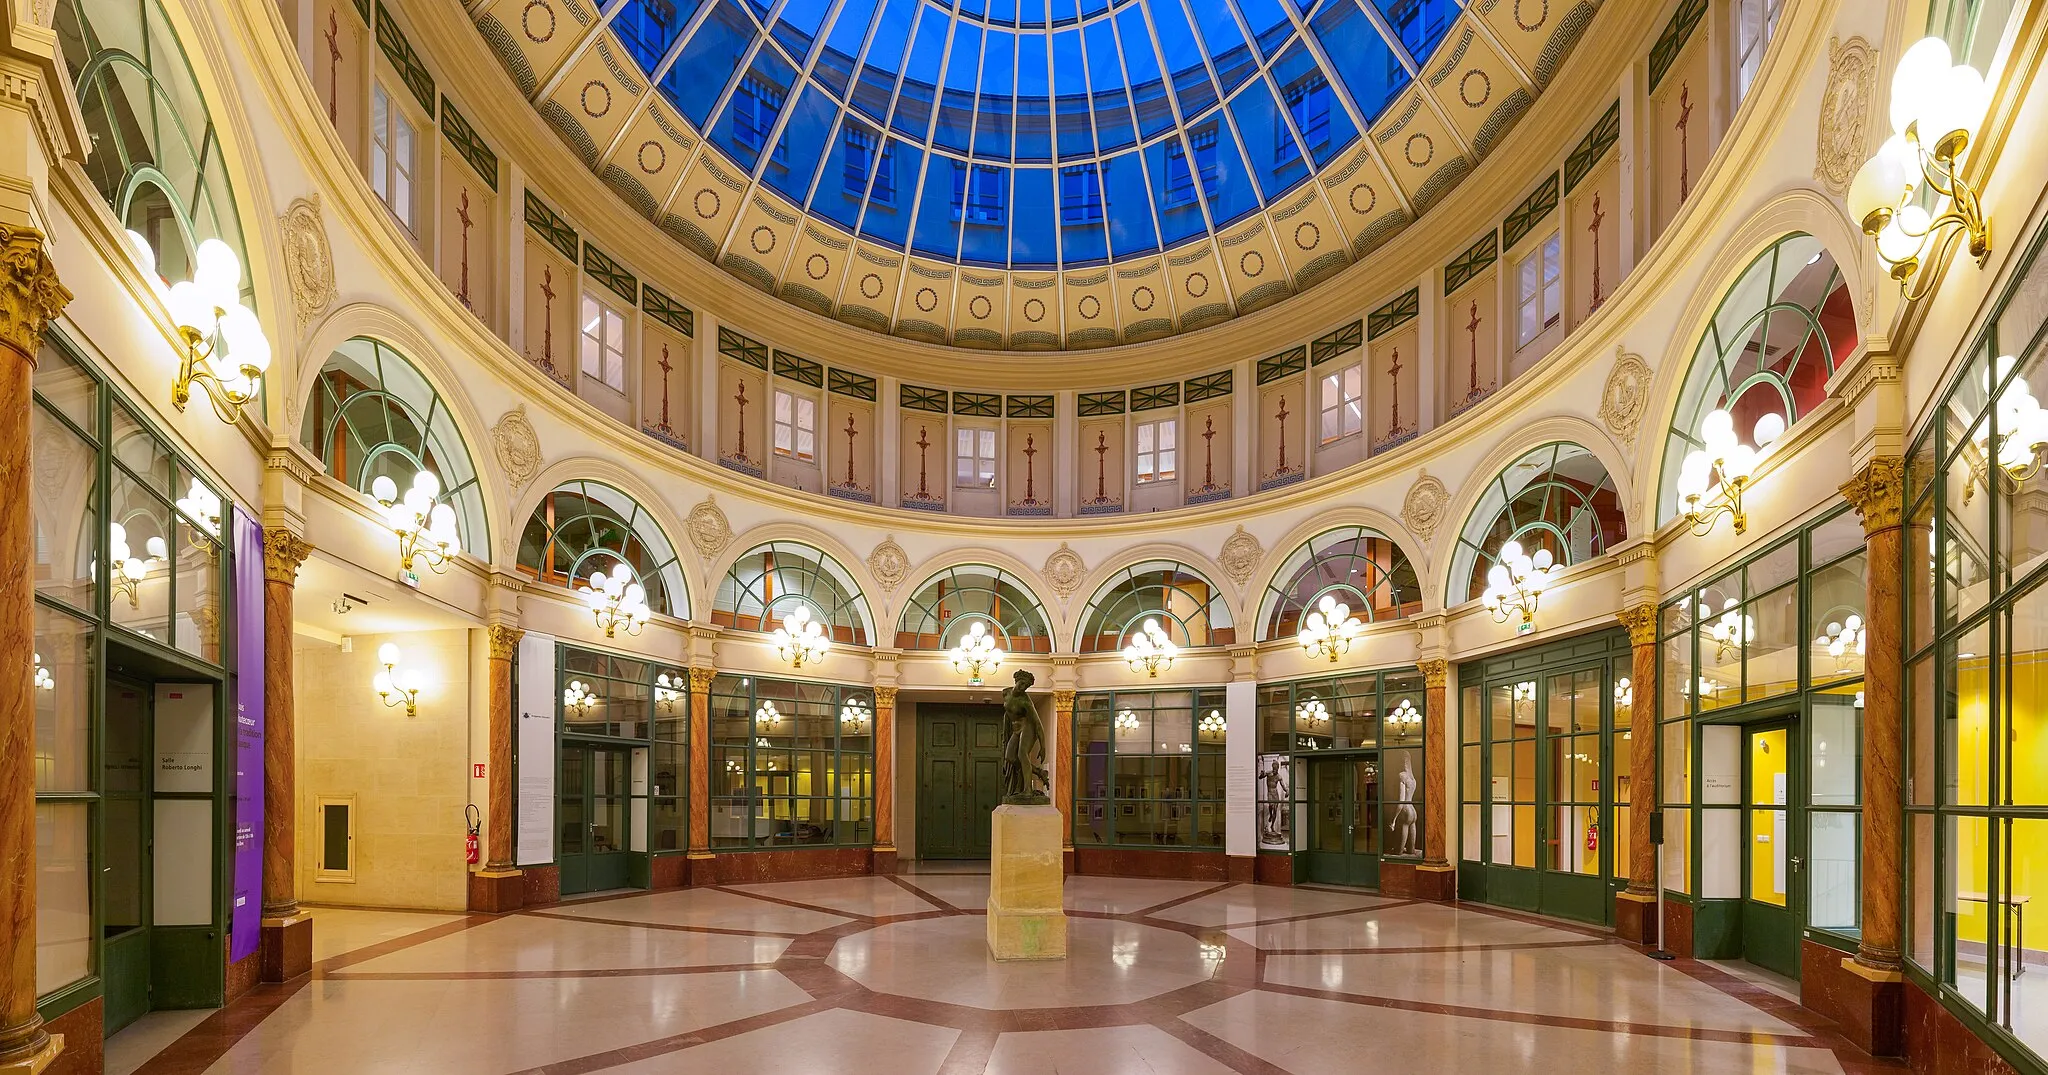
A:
1878, 493
1423, 510
1063, 703
517, 447
700, 680
308, 263
708, 530
504, 641
889, 563
1838, 148
1436, 672
1240, 556
885, 698
30, 295
283, 552
1641, 621
1626, 394
1064, 571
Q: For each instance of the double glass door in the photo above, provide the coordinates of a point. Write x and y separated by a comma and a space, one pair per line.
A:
595, 817
1774, 863
1344, 819
1550, 793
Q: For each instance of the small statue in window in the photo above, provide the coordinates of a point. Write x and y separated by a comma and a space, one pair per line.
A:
1024, 776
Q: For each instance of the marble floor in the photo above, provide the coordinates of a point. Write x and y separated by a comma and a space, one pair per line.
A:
890, 976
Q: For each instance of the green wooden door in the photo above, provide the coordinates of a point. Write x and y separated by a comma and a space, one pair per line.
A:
594, 818
959, 779
126, 869
1343, 822
1773, 859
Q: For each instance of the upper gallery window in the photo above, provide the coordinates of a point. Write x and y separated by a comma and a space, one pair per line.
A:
975, 460
1538, 292
1156, 444
796, 426
391, 155
1343, 403
604, 342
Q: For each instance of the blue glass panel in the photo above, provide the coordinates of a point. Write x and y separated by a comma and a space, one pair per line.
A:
1093, 7
938, 219
648, 27
796, 29
1420, 24
760, 10
1276, 161
843, 180
1076, 137
1004, 11
1365, 64
955, 129
1175, 197
1219, 164
1312, 105
696, 82
876, 85
842, 47
1034, 106
1031, 12
1141, 64
1269, 22
1191, 81
1113, 126
1033, 244
891, 193
984, 194
913, 118
1131, 228
974, 7
804, 137
750, 117
1228, 52
1062, 12
1082, 239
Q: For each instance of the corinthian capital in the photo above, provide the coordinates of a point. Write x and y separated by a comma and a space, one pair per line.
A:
30, 295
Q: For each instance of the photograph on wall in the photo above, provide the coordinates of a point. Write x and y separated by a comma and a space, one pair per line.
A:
1275, 803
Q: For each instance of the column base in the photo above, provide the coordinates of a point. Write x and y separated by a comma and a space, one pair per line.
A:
1067, 866
1635, 917
1868, 1004
1242, 869
700, 869
1437, 884
287, 947
34, 1063
882, 859
497, 891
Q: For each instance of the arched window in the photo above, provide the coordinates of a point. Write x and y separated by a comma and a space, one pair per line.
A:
1188, 606
584, 527
1557, 497
939, 614
1363, 568
1779, 335
370, 414
154, 151
767, 581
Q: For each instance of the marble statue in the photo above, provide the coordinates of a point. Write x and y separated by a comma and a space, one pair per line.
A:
1024, 775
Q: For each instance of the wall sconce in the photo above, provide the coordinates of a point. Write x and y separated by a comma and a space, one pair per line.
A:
855, 715
1524, 699
801, 639
1936, 107
395, 687
1126, 722
767, 714
226, 352
1329, 629
128, 569
1624, 694
577, 697
616, 600
975, 653
1731, 632
1843, 638
1313, 714
1724, 467
668, 690
200, 505
1150, 649
1515, 585
1405, 716
425, 526
1212, 723
2022, 429
44, 681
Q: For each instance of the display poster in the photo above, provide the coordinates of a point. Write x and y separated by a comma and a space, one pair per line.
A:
245, 918
535, 762
1275, 797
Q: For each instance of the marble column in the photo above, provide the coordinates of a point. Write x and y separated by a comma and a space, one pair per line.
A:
1437, 877
30, 297
499, 886
1063, 771
699, 857
884, 859
1636, 909
287, 949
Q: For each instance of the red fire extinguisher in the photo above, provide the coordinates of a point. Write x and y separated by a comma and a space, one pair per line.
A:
1592, 838
472, 846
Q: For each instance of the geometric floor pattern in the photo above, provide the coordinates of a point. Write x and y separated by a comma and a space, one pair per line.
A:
890, 976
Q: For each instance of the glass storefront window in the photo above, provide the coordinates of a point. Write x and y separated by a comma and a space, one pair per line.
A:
1149, 769
792, 764
64, 929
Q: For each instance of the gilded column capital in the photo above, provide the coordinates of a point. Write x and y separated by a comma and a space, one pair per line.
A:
1641, 621
504, 641
1878, 492
700, 679
885, 698
1063, 702
1436, 672
30, 295
283, 552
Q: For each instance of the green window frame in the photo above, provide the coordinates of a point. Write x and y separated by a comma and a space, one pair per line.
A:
792, 764
1188, 607
1358, 707
1362, 567
582, 527
1149, 769
766, 582
943, 609
600, 695
1557, 496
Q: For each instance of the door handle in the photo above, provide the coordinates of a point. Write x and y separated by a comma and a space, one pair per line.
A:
1797, 863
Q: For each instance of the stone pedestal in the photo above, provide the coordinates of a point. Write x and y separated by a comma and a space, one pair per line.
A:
287, 947
1027, 916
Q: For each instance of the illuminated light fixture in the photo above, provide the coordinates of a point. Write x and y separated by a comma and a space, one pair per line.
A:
1624, 694
1524, 696
1126, 721
1722, 468
1212, 723
855, 715
1843, 638
424, 523
394, 687
579, 697
128, 569
2022, 428
733, 765
616, 600
1936, 107
763, 744
1515, 585
1329, 629
766, 713
1733, 631
226, 352
1703, 686
801, 639
44, 681
976, 653
1405, 715
668, 690
1312, 713
1149, 649
200, 505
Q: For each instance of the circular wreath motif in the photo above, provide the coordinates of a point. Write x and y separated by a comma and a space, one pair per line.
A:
1034, 311
1428, 149
1198, 285
871, 286
927, 299
762, 239
526, 21
1542, 16
980, 307
1252, 263
1089, 306
1307, 235
816, 266
660, 156
1142, 299
604, 97
1485, 87
1372, 198
697, 203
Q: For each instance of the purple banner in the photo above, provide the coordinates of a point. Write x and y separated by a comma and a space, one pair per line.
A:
246, 919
